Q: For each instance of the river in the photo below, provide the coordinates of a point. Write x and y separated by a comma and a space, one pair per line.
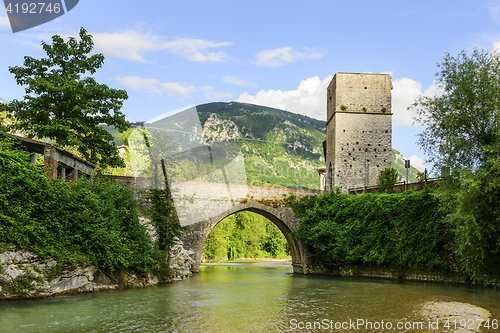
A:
239, 297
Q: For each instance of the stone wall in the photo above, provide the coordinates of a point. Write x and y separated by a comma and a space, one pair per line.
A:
362, 148
359, 129
24, 275
390, 273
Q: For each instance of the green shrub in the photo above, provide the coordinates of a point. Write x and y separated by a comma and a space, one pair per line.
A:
86, 222
395, 230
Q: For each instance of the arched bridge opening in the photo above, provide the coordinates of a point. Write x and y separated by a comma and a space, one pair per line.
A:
283, 217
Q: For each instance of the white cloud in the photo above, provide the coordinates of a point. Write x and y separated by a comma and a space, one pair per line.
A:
404, 94
210, 93
285, 55
417, 162
496, 46
174, 89
494, 12
4, 21
134, 45
157, 87
195, 49
236, 81
308, 99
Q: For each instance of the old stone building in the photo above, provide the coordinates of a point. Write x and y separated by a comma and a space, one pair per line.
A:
359, 130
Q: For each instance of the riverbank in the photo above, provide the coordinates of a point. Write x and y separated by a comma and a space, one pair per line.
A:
458, 316
23, 275
266, 263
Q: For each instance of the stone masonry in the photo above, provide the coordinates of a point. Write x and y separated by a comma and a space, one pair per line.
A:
359, 129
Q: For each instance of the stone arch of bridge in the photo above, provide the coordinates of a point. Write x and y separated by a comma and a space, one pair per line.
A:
283, 217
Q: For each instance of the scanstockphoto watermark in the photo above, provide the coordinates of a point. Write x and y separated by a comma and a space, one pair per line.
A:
385, 326
357, 324
26, 14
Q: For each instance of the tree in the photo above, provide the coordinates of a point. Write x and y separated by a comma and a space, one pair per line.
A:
462, 125
476, 215
462, 134
388, 176
62, 105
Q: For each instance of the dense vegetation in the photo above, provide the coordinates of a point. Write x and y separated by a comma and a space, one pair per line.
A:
245, 235
462, 137
89, 222
399, 231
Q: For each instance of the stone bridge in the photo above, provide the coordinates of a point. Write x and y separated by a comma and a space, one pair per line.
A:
201, 206
266, 201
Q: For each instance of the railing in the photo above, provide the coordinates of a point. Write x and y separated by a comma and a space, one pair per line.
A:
398, 187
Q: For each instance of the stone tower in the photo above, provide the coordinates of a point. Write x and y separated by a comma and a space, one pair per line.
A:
359, 129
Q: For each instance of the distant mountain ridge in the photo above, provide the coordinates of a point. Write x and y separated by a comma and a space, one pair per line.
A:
283, 142
280, 148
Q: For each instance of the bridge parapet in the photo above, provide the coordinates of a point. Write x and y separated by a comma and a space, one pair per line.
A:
198, 201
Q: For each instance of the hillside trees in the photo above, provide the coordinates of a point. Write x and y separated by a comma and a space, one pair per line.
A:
245, 235
62, 105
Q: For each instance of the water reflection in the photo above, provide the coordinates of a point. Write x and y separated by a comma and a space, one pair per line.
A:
237, 299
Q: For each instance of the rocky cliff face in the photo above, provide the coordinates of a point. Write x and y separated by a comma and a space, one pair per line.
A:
24, 275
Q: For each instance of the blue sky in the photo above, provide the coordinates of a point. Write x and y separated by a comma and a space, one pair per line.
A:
170, 54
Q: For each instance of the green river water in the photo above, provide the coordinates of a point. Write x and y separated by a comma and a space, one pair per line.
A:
239, 298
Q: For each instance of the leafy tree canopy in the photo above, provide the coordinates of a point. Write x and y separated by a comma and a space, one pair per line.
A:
388, 176
64, 105
462, 125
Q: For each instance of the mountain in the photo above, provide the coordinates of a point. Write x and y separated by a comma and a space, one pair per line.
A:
280, 148
398, 163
